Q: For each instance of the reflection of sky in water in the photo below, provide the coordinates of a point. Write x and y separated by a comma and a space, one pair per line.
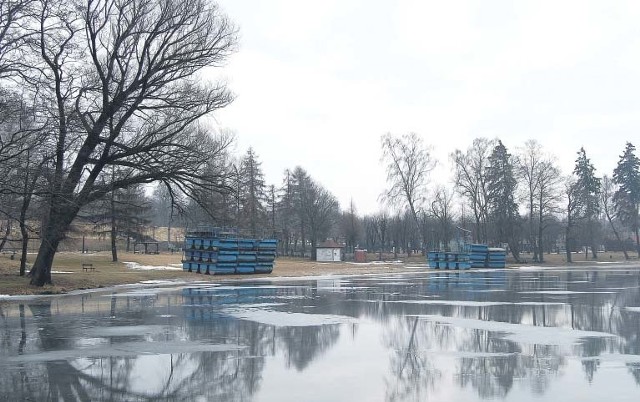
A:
518, 335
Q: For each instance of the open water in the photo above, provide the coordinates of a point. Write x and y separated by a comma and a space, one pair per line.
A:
524, 334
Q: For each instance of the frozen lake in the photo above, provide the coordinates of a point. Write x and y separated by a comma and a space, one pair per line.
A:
516, 335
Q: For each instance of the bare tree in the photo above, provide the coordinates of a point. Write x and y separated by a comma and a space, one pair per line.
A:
441, 209
541, 176
321, 210
123, 77
14, 15
471, 181
408, 163
351, 226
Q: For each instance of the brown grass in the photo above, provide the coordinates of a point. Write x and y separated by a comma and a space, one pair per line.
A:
108, 273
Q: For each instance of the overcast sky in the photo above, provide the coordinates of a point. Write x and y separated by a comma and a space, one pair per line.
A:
318, 82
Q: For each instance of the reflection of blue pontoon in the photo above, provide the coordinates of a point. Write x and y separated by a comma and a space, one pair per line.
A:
204, 304
487, 280
224, 251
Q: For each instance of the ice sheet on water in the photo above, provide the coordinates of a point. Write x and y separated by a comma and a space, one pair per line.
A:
467, 354
563, 292
255, 305
521, 333
618, 358
125, 330
284, 319
459, 303
467, 303
265, 287
128, 349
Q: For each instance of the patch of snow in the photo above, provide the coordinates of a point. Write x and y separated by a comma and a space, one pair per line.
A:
466, 303
130, 349
254, 305
459, 303
125, 330
137, 266
521, 333
618, 358
283, 319
62, 272
467, 354
562, 292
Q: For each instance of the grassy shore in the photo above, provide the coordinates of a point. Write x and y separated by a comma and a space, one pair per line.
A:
68, 274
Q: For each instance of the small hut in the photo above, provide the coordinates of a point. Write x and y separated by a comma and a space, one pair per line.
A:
329, 251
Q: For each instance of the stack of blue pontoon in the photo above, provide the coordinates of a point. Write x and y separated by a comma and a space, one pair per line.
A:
497, 258
218, 251
470, 256
448, 260
478, 255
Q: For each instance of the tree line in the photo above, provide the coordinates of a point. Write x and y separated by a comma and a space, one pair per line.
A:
100, 99
518, 200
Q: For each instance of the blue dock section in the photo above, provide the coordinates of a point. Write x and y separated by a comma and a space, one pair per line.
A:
471, 256
217, 252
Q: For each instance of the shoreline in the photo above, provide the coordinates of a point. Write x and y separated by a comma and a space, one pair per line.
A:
134, 270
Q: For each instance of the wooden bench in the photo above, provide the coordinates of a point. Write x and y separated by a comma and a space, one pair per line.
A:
87, 267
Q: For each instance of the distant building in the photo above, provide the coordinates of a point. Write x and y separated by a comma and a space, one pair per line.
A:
329, 251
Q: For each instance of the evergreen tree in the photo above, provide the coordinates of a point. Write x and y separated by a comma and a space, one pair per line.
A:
627, 197
501, 188
286, 212
253, 193
588, 188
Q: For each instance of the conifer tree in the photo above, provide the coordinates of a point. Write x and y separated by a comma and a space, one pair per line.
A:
501, 188
627, 197
588, 188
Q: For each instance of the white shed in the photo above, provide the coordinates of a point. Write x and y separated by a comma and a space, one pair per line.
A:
329, 251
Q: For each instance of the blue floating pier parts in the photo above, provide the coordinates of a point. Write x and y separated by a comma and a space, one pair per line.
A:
471, 256
448, 260
497, 258
218, 251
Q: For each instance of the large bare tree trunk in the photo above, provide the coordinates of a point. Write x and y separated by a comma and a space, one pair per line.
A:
60, 218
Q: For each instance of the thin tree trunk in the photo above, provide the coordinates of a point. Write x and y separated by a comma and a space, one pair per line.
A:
567, 242
7, 231
637, 242
540, 230
114, 249
25, 244
594, 248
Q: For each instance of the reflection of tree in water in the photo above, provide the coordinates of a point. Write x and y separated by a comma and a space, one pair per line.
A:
224, 375
491, 376
418, 345
232, 375
415, 345
412, 374
301, 345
